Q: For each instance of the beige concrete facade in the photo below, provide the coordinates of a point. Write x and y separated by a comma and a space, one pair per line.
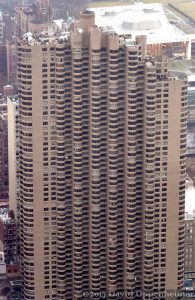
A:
102, 166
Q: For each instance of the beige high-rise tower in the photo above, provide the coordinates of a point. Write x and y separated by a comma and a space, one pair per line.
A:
102, 167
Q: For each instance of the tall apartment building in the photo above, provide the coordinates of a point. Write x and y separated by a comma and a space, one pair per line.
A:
102, 166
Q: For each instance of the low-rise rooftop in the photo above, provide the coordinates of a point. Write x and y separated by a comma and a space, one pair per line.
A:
139, 19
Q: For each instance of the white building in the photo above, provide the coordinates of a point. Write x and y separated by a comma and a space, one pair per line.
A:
150, 20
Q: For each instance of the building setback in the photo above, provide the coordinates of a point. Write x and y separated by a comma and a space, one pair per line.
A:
102, 166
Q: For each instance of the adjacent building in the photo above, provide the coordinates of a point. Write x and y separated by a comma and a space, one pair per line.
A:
8, 27
189, 266
8, 238
33, 18
3, 69
164, 36
8, 90
13, 151
189, 246
101, 166
191, 116
11, 62
63, 9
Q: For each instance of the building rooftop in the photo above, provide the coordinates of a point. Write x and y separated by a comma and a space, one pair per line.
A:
50, 38
55, 36
140, 19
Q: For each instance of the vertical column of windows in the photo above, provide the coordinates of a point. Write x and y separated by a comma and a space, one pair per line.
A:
61, 145
137, 108
80, 169
149, 175
49, 186
183, 134
103, 150
160, 182
115, 174
133, 129
68, 174
98, 170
